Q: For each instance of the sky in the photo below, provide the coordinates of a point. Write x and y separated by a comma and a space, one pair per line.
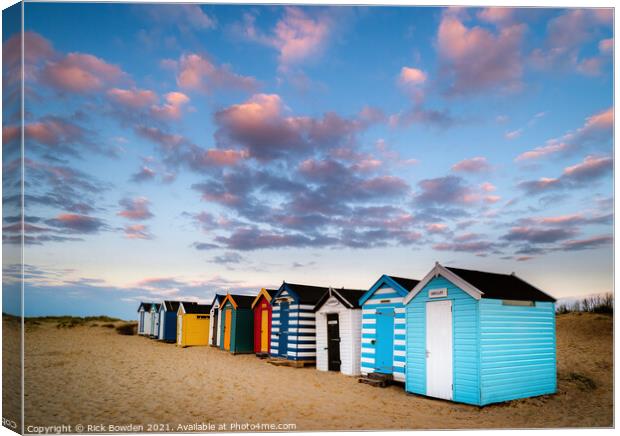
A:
175, 151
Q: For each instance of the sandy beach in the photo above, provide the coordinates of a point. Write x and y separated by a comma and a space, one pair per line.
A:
92, 375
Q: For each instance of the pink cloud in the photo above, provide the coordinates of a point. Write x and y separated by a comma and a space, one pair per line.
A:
412, 76
606, 46
514, 134
497, 56
492, 198
79, 72
591, 166
297, 36
497, 15
135, 209
596, 127
472, 165
171, 109
197, 72
437, 228
133, 98
137, 231
224, 157
566, 36
487, 187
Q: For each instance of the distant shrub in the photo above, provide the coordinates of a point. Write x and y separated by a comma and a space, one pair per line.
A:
108, 325
595, 304
129, 329
70, 323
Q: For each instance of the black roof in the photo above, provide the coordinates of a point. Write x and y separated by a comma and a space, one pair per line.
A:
218, 298
407, 284
145, 305
501, 286
197, 308
173, 306
272, 292
307, 294
348, 297
157, 306
243, 301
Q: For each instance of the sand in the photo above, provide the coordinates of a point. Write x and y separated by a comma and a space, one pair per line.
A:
92, 375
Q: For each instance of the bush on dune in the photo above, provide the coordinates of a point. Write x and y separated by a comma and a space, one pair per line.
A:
595, 304
129, 329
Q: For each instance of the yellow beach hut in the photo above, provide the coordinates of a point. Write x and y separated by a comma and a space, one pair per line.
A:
193, 324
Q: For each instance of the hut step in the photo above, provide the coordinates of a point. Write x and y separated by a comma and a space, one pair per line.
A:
377, 380
291, 363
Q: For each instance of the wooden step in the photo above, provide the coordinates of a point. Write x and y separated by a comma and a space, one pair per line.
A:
291, 363
373, 382
380, 376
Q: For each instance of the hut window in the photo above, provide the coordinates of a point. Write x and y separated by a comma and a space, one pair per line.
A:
518, 303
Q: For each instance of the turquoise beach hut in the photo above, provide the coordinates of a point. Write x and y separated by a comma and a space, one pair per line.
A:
383, 327
478, 337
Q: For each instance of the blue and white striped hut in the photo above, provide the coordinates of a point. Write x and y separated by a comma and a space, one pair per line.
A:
383, 327
293, 325
477, 337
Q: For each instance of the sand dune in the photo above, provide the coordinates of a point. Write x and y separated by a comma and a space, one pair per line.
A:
94, 375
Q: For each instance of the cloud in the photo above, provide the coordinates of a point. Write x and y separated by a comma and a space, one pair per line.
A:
576, 176
597, 130
137, 231
437, 228
228, 257
198, 73
498, 60
513, 134
75, 223
418, 114
187, 17
133, 98
445, 191
135, 208
468, 247
606, 46
566, 36
588, 243
204, 246
261, 126
539, 235
80, 73
472, 165
144, 174
171, 109
297, 36
252, 238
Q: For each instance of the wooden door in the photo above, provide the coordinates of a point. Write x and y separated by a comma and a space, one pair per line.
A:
214, 327
227, 328
283, 331
439, 349
333, 342
264, 331
384, 344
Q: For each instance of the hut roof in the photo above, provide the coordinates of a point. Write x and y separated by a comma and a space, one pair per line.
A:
173, 306
145, 305
407, 284
267, 293
348, 297
203, 309
241, 301
501, 286
307, 294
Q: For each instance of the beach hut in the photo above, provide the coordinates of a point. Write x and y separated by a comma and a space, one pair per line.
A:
193, 324
262, 320
144, 318
237, 334
168, 311
383, 327
338, 331
479, 337
214, 324
293, 333
154, 331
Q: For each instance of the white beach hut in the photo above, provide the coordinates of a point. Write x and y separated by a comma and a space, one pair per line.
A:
339, 331
214, 326
144, 318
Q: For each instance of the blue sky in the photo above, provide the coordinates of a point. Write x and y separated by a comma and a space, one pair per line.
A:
173, 151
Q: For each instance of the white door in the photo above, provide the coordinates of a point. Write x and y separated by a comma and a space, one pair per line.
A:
439, 349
